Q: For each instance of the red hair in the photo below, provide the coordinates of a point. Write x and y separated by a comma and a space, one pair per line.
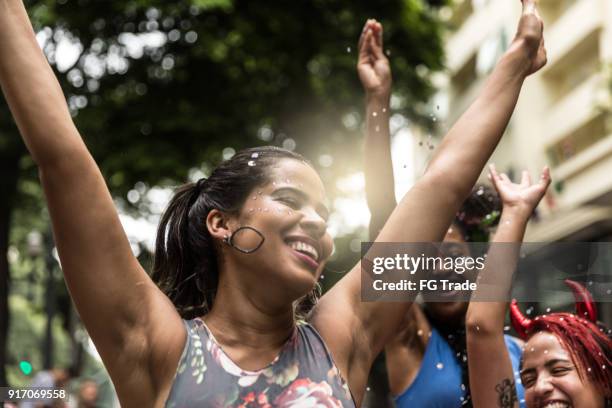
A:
588, 344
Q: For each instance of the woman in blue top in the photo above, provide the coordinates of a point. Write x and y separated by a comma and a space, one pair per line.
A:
236, 253
427, 360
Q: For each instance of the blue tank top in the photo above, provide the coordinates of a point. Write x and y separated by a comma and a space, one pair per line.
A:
303, 374
438, 383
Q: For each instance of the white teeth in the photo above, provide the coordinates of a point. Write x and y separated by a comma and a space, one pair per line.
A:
556, 405
304, 247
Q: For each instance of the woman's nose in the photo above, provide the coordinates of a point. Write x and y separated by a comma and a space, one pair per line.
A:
313, 222
543, 386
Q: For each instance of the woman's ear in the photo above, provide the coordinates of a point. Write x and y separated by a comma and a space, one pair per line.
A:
217, 223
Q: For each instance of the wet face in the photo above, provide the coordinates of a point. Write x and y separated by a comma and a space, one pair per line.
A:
551, 378
451, 311
290, 213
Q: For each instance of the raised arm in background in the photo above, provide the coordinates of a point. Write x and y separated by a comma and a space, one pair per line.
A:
357, 331
122, 309
375, 76
491, 377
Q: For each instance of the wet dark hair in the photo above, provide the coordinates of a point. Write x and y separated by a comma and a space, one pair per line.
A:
185, 264
479, 213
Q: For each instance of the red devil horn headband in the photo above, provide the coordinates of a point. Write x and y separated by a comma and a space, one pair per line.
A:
521, 324
585, 308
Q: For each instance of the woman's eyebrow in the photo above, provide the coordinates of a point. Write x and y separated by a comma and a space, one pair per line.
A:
293, 190
322, 207
548, 364
556, 361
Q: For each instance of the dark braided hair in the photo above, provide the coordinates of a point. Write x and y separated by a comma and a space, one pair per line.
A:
185, 264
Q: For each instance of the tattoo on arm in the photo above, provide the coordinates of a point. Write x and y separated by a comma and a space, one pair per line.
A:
507, 393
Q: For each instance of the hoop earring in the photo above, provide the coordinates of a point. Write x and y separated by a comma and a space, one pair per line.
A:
229, 240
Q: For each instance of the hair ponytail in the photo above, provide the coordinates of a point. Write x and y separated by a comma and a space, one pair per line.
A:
179, 262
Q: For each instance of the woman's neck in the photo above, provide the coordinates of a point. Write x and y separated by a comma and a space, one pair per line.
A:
241, 319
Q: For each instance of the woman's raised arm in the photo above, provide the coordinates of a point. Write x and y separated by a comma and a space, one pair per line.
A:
427, 210
375, 76
491, 377
120, 306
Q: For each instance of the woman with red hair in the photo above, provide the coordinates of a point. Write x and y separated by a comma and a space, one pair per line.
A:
567, 359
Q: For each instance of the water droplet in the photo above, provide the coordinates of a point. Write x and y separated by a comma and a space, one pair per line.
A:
463, 387
480, 192
374, 114
507, 222
589, 369
251, 163
419, 332
450, 231
529, 310
545, 351
367, 388
532, 349
255, 155
506, 328
548, 310
322, 276
384, 110
477, 328
348, 49
388, 52
439, 366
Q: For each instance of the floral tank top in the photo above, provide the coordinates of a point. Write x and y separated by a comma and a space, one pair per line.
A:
302, 375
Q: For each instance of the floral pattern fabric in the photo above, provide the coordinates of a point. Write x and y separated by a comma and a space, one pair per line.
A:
302, 375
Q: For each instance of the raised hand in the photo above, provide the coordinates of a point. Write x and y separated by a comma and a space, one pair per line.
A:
372, 65
530, 33
523, 196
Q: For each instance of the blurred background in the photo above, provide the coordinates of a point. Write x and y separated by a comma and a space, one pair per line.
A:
163, 91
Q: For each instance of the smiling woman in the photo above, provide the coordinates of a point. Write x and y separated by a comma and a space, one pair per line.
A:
238, 252
264, 191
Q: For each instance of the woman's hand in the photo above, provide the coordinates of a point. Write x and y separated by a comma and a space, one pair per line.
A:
523, 196
373, 66
530, 36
